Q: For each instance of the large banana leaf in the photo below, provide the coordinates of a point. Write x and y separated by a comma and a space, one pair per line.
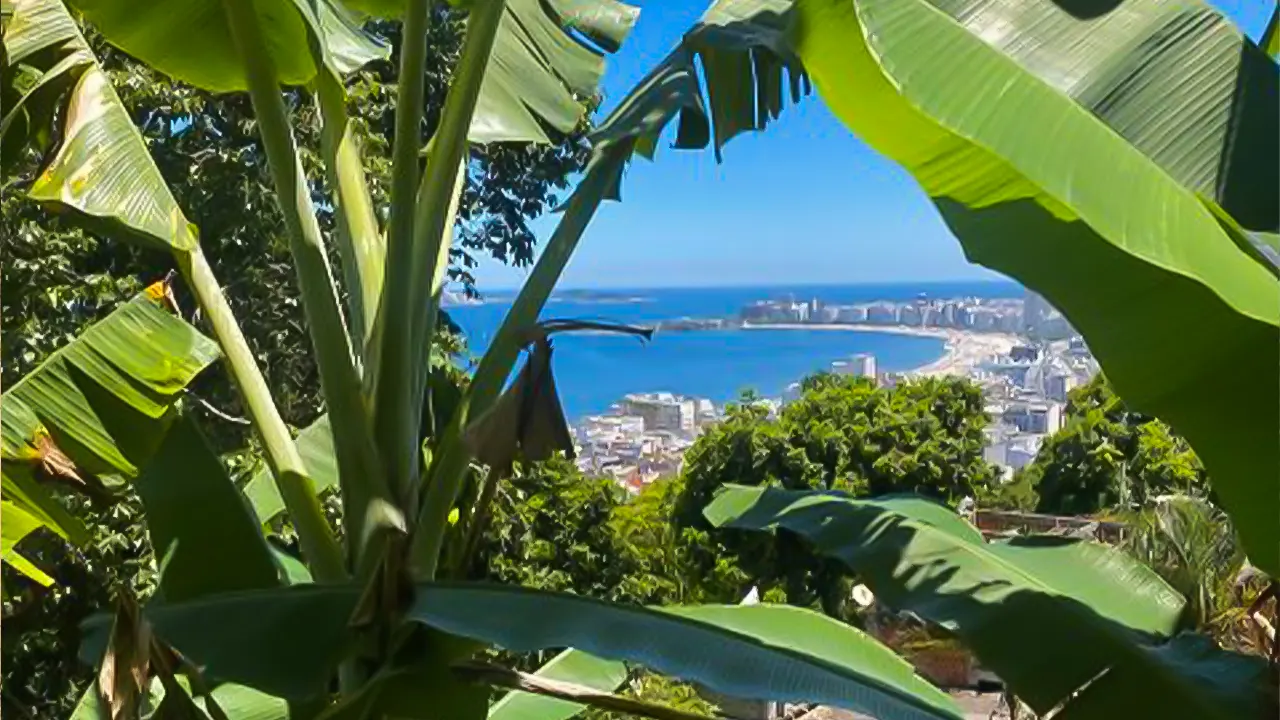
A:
1099, 610
761, 651
1072, 148
539, 71
200, 526
101, 168
296, 32
96, 409
287, 642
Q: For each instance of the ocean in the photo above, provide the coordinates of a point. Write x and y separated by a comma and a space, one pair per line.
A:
593, 371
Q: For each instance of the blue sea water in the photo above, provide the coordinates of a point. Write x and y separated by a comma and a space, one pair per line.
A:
594, 371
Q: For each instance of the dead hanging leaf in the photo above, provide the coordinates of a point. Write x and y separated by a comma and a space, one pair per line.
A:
528, 418
54, 464
124, 677
161, 292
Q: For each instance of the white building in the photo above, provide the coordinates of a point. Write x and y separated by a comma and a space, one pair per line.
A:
863, 365
883, 313
662, 411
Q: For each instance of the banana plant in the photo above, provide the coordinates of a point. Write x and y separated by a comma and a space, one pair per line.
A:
377, 621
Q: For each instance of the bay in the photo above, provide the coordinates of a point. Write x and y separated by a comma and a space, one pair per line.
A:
594, 371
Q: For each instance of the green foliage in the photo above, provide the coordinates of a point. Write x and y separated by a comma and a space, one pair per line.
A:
39, 669
843, 433
1108, 456
1115, 206
1018, 494
57, 279
550, 529
655, 688
1110, 620
1193, 546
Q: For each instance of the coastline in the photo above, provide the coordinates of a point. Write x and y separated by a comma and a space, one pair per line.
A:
964, 350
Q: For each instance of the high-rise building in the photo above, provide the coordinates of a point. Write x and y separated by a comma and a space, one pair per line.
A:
662, 411
863, 365
1035, 309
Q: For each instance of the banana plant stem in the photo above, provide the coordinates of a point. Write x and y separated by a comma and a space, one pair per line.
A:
319, 545
363, 256
393, 404
450, 469
339, 380
359, 241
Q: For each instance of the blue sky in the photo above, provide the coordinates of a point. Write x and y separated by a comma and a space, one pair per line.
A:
803, 202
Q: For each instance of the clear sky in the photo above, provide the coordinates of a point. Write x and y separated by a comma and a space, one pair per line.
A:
803, 202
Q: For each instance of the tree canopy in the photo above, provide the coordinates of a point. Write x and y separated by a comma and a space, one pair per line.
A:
843, 433
1107, 456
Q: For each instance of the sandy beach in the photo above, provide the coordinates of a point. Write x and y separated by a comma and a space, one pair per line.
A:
965, 349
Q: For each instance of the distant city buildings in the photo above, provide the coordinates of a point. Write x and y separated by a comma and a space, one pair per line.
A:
860, 365
644, 435
1004, 315
642, 438
661, 411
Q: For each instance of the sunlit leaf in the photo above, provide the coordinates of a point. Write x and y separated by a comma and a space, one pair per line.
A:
1094, 131
207, 57
540, 71
101, 168
105, 397
16, 524
761, 651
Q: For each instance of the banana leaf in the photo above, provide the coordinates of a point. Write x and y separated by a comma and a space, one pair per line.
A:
95, 411
287, 642
303, 37
100, 169
1069, 147
199, 523
539, 70
1103, 613
16, 524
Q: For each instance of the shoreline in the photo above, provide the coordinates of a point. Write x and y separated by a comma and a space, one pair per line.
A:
964, 349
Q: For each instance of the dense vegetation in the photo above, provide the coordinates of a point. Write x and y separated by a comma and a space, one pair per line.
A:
1151, 223
57, 279
1107, 456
